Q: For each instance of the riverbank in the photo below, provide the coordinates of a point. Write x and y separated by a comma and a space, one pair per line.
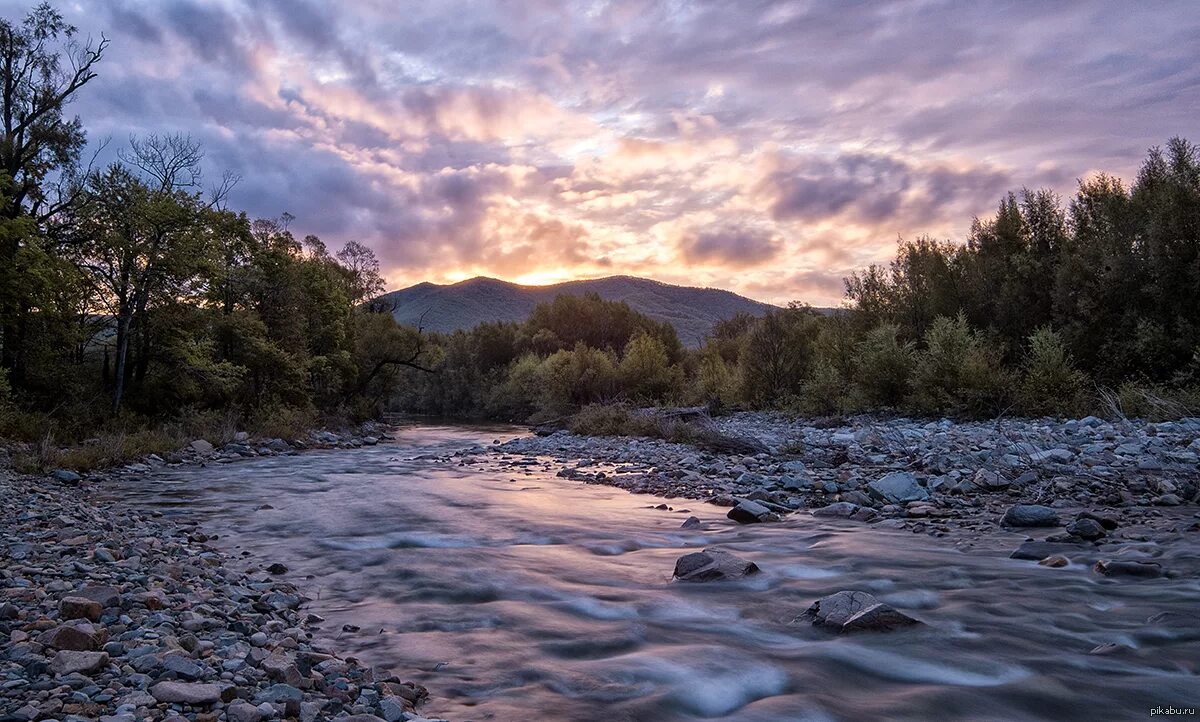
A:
119, 615
926, 476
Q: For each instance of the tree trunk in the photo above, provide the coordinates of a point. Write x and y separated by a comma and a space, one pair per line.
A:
123, 317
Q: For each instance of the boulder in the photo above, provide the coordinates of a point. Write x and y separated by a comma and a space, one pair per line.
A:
68, 661
241, 711
1056, 561
103, 595
80, 608
1038, 550
78, 637
751, 512
284, 697
712, 565
66, 476
1144, 570
897, 487
1089, 529
194, 693
690, 523
853, 611
1029, 515
846, 510
202, 447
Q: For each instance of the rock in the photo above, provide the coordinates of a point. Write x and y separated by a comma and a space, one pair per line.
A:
68, 661
103, 595
1168, 500
202, 447
988, 480
194, 693
751, 512
1106, 521
1055, 456
1144, 570
712, 565
1029, 515
897, 487
66, 476
1089, 529
80, 608
1056, 561
240, 711
690, 523
1038, 550
284, 696
846, 510
854, 611
78, 637
363, 718
277, 568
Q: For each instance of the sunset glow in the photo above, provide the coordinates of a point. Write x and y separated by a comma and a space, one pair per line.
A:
769, 148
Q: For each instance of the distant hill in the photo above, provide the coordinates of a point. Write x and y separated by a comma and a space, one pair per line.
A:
692, 311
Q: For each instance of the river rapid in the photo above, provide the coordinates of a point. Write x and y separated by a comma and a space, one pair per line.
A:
516, 595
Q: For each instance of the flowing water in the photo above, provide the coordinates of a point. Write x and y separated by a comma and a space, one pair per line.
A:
515, 595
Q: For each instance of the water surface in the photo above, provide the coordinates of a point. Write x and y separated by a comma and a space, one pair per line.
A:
515, 595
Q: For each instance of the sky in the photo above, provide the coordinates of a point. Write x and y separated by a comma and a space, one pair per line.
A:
770, 148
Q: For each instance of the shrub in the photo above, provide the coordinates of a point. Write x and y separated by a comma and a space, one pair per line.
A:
883, 366
958, 372
1050, 383
571, 379
716, 384
826, 392
645, 371
776, 357
611, 420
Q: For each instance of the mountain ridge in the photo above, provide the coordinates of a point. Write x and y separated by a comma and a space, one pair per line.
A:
693, 311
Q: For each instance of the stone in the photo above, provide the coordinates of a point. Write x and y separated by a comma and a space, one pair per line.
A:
897, 487
690, 523
846, 510
277, 568
103, 595
66, 476
80, 608
1029, 515
1056, 561
751, 512
67, 661
78, 637
1036, 551
712, 565
855, 611
1168, 500
1054, 456
202, 447
1144, 570
363, 718
1089, 529
393, 709
988, 480
198, 694
183, 667
283, 696
241, 711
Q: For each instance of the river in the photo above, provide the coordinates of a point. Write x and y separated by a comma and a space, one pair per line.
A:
515, 595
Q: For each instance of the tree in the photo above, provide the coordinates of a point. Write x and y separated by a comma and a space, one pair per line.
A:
366, 281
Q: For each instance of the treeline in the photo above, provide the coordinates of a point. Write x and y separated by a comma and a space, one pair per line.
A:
1045, 309
132, 298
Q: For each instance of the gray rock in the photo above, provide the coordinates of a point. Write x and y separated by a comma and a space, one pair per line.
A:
66, 476
854, 611
1029, 515
897, 487
1085, 528
69, 661
846, 510
103, 595
240, 711
1144, 570
1055, 456
283, 696
193, 693
712, 565
751, 512
1037, 550
202, 447
690, 523
79, 608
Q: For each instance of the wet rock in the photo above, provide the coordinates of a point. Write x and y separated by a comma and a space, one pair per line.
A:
897, 487
846, 510
1055, 561
855, 611
748, 511
193, 693
1139, 569
67, 662
283, 696
690, 523
277, 568
1038, 550
1089, 529
712, 565
1029, 515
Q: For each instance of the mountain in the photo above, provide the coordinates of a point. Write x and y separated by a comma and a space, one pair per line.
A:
692, 311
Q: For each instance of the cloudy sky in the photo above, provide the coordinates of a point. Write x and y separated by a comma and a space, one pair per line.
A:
766, 147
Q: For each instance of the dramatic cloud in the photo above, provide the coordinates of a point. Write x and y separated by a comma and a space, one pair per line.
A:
769, 147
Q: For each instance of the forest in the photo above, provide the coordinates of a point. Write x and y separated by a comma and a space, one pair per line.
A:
137, 309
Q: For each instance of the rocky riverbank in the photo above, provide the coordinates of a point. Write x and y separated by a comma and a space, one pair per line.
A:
927, 476
115, 615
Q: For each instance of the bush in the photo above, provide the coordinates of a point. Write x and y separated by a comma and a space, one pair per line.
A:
826, 392
776, 356
572, 379
716, 384
883, 367
958, 372
645, 371
1050, 383
611, 420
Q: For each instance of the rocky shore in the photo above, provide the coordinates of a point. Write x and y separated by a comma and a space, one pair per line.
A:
1087, 476
115, 615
